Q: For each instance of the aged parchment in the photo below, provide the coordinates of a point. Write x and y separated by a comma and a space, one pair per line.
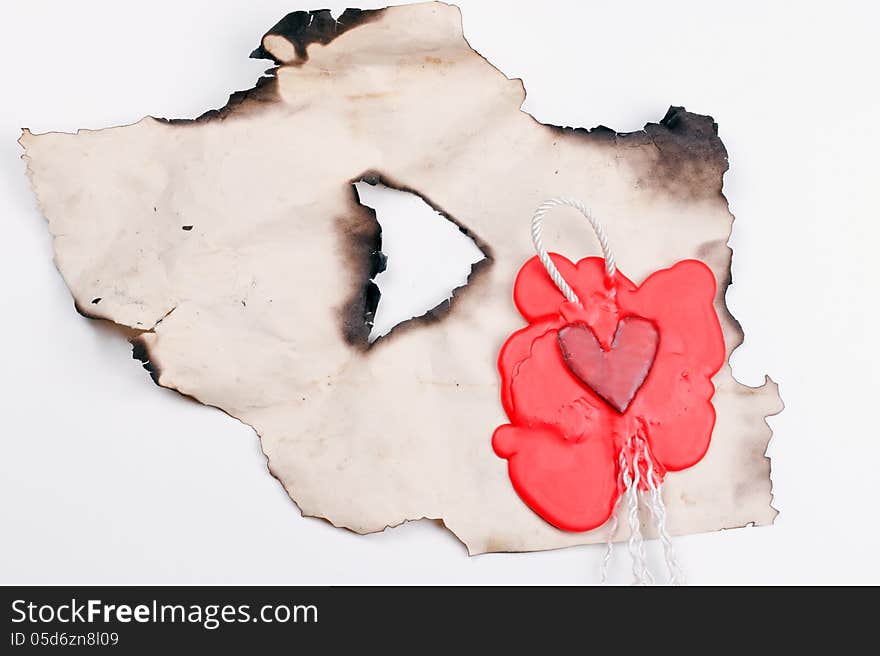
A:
236, 247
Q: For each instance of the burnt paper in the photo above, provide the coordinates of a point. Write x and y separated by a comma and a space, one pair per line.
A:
235, 246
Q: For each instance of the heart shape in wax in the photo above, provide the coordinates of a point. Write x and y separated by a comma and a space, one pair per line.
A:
617, 373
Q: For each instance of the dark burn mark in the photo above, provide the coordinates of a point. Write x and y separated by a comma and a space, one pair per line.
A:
374, 178
363, 242
362, 238
302, 28
378, 259
371, 302
264, 92
140, 351
135, 336
186, 227
691, 157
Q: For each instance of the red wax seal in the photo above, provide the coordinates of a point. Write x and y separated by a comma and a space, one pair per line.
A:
581, 380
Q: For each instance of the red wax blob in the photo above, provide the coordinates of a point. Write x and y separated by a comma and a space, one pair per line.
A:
573, 406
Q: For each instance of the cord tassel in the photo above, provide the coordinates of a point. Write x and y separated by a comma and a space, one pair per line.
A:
630, 478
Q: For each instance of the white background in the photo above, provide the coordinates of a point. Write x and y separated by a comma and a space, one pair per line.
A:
106, 478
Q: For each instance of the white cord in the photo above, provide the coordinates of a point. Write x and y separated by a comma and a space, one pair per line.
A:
630, 477
537, 240
658, 512
641, 574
